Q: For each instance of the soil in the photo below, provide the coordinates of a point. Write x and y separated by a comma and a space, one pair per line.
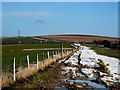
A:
50, 77
53, 77
77, 38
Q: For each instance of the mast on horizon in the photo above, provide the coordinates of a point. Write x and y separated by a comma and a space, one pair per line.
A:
19, 33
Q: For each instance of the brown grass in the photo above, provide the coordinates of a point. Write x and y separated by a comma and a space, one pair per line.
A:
6, 79
22, 73
77, 38
104, 67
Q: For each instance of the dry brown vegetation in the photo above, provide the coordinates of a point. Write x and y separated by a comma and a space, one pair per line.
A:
77, 38
22, 73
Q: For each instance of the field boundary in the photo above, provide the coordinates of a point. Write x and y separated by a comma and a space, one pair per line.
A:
25, 72
46, 49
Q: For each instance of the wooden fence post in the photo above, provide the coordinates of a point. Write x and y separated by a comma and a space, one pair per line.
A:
56, 53
43, 55
62, 50
67, 51
53, 54
48, 54
37, 61
72, 50
14, 78
28, 61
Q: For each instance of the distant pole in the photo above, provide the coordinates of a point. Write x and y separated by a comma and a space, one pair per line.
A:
19, 33
48, 53
14, 79
28, 61
37, 61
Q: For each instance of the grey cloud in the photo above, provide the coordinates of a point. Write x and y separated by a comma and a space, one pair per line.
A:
39, 21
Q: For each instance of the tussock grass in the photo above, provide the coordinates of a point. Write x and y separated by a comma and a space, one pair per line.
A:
24, 73
6, 79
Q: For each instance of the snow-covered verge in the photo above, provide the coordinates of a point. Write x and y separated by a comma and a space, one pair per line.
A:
89, 61
90, 58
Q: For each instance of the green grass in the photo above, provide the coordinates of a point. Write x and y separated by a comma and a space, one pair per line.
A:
105, 51
15, 40
10, 51
25, 40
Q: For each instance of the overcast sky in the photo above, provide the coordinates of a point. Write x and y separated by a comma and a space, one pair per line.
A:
45, 18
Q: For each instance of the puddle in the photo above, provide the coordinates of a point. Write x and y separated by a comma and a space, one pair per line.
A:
95, 85
80, 74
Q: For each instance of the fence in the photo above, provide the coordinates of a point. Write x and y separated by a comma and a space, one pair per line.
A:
24, 72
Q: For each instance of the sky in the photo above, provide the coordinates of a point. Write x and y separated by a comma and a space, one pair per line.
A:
48, 18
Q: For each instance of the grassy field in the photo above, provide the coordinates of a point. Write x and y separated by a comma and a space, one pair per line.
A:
9, 51
24, 40
105, 51
15, 40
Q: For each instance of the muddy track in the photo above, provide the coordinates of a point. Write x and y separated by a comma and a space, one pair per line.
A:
76, 71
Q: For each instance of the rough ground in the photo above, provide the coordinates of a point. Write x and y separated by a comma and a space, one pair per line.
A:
48, 78
52, 78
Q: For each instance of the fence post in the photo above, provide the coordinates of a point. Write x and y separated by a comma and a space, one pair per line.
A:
48, 54
62, 50
43, 55
28, 61
56, 53
37, 61
53, 53
14, 78
72, 50
67, 51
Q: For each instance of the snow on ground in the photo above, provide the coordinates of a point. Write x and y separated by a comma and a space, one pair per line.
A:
88, 71
67, 69
112, 65
90, 58
73, 59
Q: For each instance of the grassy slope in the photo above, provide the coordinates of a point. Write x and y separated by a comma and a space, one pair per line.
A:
9, 51
105, 51
8, 55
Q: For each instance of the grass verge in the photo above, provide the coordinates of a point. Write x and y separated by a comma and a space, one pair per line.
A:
105, 51
48, 78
